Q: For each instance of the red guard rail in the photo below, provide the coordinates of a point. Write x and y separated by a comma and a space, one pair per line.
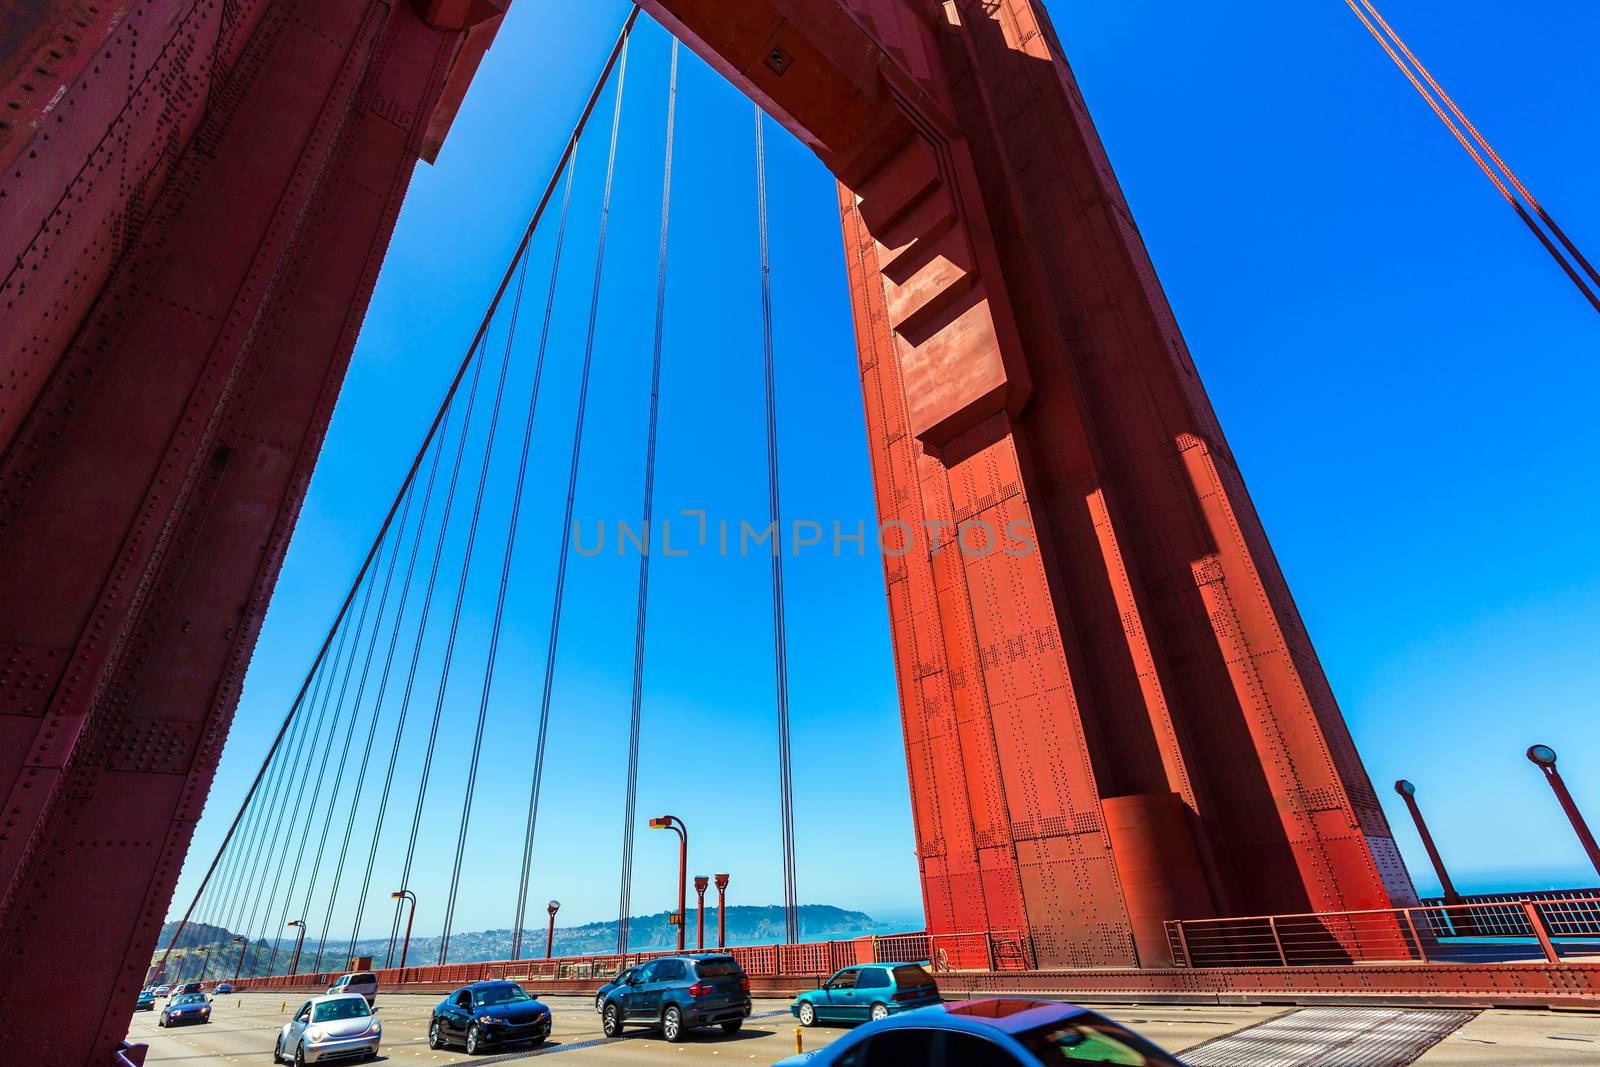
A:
992, 950
1495, 932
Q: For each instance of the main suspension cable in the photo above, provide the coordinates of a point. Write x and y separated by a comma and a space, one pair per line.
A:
647, 512
572, 492
791, 917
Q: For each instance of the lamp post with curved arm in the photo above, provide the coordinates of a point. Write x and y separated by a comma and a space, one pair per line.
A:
1544, 758
299, 943
1408, 793
406, 894
672, 822
237, 967
550, 935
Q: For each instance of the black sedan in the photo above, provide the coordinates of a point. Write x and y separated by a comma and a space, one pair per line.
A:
488, 1014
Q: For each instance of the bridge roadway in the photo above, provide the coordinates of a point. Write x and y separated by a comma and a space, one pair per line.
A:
245, 1027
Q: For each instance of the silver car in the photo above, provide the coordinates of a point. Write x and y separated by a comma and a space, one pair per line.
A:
329, 1028
363, 982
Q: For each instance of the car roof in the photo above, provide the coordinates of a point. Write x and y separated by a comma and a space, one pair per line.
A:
1008, 1015
322, 997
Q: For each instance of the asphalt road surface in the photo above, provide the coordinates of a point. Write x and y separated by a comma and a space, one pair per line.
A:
244, 1028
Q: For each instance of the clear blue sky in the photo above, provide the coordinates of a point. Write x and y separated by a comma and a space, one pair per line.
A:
1407, 381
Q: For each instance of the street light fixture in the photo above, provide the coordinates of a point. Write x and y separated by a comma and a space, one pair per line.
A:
672, 822
1544, 758
241, 942
403, 895
701, 882
550, 936
722, 907
1408, 793
299, 943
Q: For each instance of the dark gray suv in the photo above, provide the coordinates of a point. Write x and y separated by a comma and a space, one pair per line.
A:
679, 993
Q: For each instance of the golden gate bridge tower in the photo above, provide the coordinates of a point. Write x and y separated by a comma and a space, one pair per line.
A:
1126, 727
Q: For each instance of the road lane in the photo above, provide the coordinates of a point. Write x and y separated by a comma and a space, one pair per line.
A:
244, 1028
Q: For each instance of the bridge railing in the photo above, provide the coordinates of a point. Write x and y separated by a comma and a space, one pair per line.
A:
988, 950
1570, 912
1500, 931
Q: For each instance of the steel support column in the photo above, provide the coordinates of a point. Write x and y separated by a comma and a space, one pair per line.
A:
1087, 606
196, 203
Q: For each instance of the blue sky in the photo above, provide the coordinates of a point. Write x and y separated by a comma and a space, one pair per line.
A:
1406, 380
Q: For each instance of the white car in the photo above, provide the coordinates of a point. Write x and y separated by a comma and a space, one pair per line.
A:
338, 1027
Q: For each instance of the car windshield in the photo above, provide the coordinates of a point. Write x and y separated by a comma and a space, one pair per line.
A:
189, 998
510, 993
1090, 1040
344, 1008
726, 967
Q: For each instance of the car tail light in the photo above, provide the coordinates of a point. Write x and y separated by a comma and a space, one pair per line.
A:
910, 994
699, 989
744, 984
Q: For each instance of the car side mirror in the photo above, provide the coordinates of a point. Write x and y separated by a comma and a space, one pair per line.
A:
376, 1010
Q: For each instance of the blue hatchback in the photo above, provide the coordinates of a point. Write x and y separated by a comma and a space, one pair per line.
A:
870, 991
989, 1033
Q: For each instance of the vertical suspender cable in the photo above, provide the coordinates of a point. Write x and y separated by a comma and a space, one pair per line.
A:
499, 611
566, 529
422, 626
461, 596
406, 482
372, 729
791, 917
1499, 174
630, 804
383, 687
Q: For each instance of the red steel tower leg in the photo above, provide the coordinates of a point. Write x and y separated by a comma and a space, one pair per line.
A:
196, 200
1128, 724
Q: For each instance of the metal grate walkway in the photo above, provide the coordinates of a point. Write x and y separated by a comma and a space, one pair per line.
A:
1332, 1037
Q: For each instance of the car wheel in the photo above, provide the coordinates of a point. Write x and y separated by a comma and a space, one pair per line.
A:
277, 1051
600, 1005
732, 1026
474, 1040
435, 1036
611, 1021
300, 1056
808, 1014
672, 1023
880, 1011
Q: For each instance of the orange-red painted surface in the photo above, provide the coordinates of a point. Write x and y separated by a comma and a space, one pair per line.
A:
197, 195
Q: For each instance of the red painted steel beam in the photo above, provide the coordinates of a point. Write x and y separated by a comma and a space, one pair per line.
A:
1022, 370
192, 259
189, 243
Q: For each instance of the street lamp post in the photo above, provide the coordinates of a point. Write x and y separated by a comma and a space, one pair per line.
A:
701, 882
672, 822
1544, 758
550, 935
241, 942
406, 894
722, 908
1408, 793
299, 943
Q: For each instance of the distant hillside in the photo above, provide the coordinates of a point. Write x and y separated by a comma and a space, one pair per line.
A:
747, 925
